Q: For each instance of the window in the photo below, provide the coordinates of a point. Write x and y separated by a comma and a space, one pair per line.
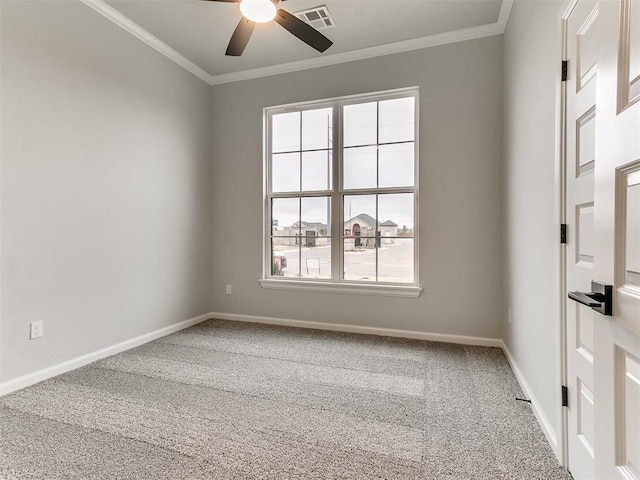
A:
341, 183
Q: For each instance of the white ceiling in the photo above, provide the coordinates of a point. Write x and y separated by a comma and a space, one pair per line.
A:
195, 33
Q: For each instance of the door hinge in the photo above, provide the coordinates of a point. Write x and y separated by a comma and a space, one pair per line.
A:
565, 396
565, 69
563, 233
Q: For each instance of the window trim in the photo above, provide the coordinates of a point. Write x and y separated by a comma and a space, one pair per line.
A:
317, 285
336, 283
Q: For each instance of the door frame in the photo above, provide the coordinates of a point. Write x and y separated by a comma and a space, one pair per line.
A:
561, 218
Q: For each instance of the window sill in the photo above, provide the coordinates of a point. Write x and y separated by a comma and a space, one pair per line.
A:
409, 291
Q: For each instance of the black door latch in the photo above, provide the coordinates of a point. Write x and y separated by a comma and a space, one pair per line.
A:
599, 299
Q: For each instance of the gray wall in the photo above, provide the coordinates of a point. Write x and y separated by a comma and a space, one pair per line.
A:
106, 177
461, 266
531, 67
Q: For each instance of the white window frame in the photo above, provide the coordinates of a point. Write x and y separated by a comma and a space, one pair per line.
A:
336, 284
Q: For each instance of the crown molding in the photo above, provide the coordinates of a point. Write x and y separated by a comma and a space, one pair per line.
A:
454, 36
362, 54
154, 42
503, 16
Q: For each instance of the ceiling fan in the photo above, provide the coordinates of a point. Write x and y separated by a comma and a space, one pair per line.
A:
263, 11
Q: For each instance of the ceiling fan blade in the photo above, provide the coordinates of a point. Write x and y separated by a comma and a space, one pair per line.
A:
303, 31
240, 38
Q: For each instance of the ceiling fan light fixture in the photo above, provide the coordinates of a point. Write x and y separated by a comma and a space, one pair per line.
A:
259, 11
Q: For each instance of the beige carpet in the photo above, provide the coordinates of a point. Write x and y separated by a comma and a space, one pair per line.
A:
227, 400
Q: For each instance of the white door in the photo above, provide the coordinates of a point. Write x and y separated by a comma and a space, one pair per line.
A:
603, 211
581, 29
617, 199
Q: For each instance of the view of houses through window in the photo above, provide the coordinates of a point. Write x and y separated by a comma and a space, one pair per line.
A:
347, 164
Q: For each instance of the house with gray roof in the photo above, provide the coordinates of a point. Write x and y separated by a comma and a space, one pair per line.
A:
362, 228
310, 234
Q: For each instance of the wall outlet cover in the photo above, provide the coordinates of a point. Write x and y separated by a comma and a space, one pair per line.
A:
36, 330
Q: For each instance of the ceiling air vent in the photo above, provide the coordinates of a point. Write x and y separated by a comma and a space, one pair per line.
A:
318, 17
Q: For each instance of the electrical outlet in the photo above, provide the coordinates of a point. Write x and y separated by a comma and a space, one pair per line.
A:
36, 330
228, 289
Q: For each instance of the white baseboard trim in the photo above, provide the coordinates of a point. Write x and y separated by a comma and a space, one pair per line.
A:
49, 372
545, 424
384, 332
46, 373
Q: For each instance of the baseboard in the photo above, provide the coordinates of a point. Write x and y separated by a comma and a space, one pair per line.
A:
384, 332
49, 372
544, 422
40, 375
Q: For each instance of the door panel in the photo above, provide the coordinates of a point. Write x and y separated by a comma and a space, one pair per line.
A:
584, 240
629, 50
584, 333
632, 230
628, 235
586, 140
628, 415
586, 45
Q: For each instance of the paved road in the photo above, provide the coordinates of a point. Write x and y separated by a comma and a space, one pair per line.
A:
395, 262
